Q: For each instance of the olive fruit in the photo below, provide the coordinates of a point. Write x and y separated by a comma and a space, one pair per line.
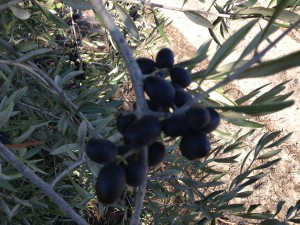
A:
197, 116
76, 16
5, 138
143, 131
100, 150
123, 120
174, 126
156, 153
214, 121
180, 76
181, 97
165, 58
194, 144
110, 183
135, 173
146, 65
159, 90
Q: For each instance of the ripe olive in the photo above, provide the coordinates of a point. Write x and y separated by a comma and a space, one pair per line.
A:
197, 116
146, 65
174, 126
214, 121
143, 131
123, 120
159, 90
5, 138
180, 76
100, 150
165, 58
110, 183
194, 144
181, 97
156, 153
135, 173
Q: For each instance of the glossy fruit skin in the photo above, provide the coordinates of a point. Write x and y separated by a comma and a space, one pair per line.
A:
181, 97
194, 145
174, 126
123, 120
165, 58
197, 117
214, 121
135, 173
100, 150
146, 65
143, 131
159, 90
110, 183
180, 76
156, 153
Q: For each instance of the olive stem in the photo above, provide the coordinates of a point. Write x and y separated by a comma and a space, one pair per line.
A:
132, 66
37, 181
141, 192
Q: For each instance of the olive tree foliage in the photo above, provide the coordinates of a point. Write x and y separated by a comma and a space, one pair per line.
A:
58, 84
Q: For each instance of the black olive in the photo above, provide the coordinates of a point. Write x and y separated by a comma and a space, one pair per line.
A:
165, 58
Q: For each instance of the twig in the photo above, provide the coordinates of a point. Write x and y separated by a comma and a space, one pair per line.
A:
66, 171
38, 109
148, 3
140, 195
53, 196
132, 66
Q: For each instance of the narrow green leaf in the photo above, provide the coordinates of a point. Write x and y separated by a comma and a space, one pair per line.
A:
245, 123
294, 221
199, 56
6, 113
5, 209
256, 216
273, 222
169, 172
82, 133
252, 208
238, 179
228, 46
266, 138
290, 211
244, 194
205, 210
34, 54
232, 147
127, 21
270, 94
268, 164
280, 141
5, 185
285, 15
245, 135
26, 46
53, 18
273, 66
17, 95
197, 18
258, 110
250, 95
230, 159
69, 76
269, 154
64, 149
78, 4
29, 131
20, 13
279, 207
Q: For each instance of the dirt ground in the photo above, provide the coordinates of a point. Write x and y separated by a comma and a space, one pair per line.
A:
283, 181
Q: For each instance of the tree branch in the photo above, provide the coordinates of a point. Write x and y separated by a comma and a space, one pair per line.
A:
27, 172
150, 4
132, 66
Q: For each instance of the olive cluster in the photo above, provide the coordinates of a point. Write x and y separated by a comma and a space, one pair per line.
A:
122, 163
